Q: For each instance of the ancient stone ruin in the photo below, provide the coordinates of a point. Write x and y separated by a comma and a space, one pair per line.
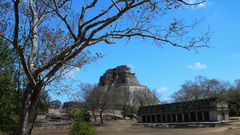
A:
58, 116
54, 108
205, 110
122, 81
70, 107
120, 78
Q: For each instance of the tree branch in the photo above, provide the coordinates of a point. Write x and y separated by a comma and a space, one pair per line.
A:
115, 4
34, 35
110, 20
18, 48
6, 38
56, 10
191, 4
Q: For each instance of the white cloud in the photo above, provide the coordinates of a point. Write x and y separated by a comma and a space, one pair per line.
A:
197, 66
201, 5
162, 90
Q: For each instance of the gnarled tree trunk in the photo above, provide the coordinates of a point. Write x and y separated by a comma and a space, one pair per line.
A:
28, 110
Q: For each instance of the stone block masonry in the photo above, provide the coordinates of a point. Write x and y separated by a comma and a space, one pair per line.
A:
205, 110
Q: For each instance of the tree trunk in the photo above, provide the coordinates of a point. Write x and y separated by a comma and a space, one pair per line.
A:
238, 110
131, 113
28, 110
24, 113
34, 115
101, 117
124, 112
114, 117
94, 115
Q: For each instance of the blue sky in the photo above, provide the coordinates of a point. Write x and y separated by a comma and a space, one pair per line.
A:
166, 68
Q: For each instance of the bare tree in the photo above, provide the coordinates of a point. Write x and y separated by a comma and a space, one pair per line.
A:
128, 101
85, 91
124, 99
105, 102
88, 95
144, 97
201, 88
50, 37
93, 98
98, 99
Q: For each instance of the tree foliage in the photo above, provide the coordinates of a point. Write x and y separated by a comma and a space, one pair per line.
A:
9, 94
81, 125
233, 99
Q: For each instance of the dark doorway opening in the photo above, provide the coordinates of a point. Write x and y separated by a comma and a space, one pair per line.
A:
144, 119
179, 117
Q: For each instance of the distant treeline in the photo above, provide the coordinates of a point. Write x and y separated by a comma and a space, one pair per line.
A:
202, 88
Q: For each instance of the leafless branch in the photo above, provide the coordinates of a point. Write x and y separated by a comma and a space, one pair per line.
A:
6, 38
18, 48
63, 18
191, 4
115, 4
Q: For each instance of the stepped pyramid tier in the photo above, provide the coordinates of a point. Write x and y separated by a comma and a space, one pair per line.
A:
119, 76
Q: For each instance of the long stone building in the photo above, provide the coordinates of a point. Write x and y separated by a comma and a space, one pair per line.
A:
205, 110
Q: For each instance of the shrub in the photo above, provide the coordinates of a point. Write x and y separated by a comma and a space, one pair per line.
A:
81, 125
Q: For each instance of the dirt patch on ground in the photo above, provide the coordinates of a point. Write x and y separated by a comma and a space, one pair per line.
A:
127, 127
50, 132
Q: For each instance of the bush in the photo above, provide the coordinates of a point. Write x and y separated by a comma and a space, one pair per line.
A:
81, 125
233, 110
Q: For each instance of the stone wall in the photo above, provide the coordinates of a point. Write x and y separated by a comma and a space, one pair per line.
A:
192, 111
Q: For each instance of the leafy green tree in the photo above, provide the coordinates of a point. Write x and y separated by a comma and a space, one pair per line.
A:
81, 124
9, 96
11, 84
232, 96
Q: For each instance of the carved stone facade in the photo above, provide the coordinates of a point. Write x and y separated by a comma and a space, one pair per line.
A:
205, 110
